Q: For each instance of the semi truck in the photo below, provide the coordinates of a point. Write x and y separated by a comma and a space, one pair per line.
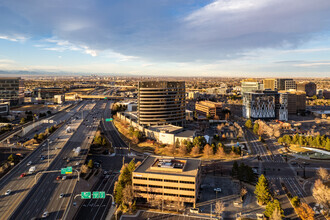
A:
32, 169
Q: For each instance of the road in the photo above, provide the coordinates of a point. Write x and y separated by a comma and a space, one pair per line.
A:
21, 186
44, 195
98, 209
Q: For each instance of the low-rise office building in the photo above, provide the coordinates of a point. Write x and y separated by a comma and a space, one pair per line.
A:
168, 179
208, 108
11, 90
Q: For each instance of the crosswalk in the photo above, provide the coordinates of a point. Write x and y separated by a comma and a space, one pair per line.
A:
280, 178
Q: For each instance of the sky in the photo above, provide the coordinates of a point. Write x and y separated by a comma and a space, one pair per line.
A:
235, 38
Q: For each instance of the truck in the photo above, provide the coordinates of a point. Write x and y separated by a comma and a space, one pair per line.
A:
77, 151
32, 169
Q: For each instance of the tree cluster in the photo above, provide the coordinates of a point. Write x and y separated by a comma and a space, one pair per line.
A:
118, 108
123, 191
318, 141
100, 140
243, 172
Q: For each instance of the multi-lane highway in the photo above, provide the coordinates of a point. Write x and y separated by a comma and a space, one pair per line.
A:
45, 195
20, 186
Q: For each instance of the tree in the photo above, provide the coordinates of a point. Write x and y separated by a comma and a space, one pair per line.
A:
183, 150
321, 193
208, 151
271, 206
131, 130
255, 128
248, 124
276, 215
11, 158
243, 192
200, 141
35, 136
118, 192
295, 201
128, 196
171, 149
90, 164
305, 212
41, 136
262, 191
219, 207
195, 150
323, 174
22, 121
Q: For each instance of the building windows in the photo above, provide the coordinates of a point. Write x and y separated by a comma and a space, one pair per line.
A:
185, 196
139, 178
169, 187
187, 189
171, 181
144, 185
153, 179
187, 182
154, 186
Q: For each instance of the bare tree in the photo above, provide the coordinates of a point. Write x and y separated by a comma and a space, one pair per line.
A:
208, 151
321, 193
171, 149
128, 196
183, 150
276, 214
323, 174
219, 207
243, 192
195, 150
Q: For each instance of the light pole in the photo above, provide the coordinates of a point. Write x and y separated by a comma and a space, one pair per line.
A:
48, 151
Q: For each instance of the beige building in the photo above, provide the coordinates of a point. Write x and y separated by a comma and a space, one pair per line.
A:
269, 84
208, 108
168, 179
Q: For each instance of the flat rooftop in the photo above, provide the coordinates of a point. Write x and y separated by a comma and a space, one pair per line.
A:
169, 166
166, 128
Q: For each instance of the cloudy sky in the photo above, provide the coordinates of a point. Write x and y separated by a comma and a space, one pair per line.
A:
167, 37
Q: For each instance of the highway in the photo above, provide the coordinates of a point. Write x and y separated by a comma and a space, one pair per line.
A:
21, 186
45, 195
98, 208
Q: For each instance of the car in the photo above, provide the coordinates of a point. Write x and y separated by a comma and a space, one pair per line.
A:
58, 177
63, 177
77, 163
45, 214
42, 158
22, 175
61, 195
68, 160
105, 172
29, 163
64, 158
7, 192
306, 163
294, 163
217, 189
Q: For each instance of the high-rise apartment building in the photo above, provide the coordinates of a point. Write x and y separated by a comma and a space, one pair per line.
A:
250, 85
308, 87
167, 179
208, 108
161, 102
11, 90
265, 105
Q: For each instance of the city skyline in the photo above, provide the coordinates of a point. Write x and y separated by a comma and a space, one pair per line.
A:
187, 38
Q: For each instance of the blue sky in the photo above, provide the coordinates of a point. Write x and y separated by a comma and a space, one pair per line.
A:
258, 38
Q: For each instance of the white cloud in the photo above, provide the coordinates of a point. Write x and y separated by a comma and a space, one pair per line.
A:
14, 38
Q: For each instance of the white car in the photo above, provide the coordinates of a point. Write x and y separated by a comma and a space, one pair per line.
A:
217, 189
29, 163
45, 214
61, 195
7, 192
64, 178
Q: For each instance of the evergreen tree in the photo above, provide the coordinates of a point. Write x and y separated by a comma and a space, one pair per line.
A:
11, 158
262, 191
90, 164
35, 136
256, 128
271, 206
248, 124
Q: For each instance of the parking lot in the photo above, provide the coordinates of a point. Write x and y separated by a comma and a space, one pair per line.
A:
155, 216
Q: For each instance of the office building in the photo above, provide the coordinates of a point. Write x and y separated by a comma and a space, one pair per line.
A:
290, 85
208, 108
11, 90
296, 101
168, 179
284, 84
308, 87
250, 85
265, 105
47, 94
269, 84
4, 108
161, 102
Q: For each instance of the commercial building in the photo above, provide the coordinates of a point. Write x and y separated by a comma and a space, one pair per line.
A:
290, 85
269, 84
168, 179
284, 84
11, 90
161, 102
296, 101
192, 95
4, 108
221, 90
265, 105
208, 108
308, 87
250, 85
47, 94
